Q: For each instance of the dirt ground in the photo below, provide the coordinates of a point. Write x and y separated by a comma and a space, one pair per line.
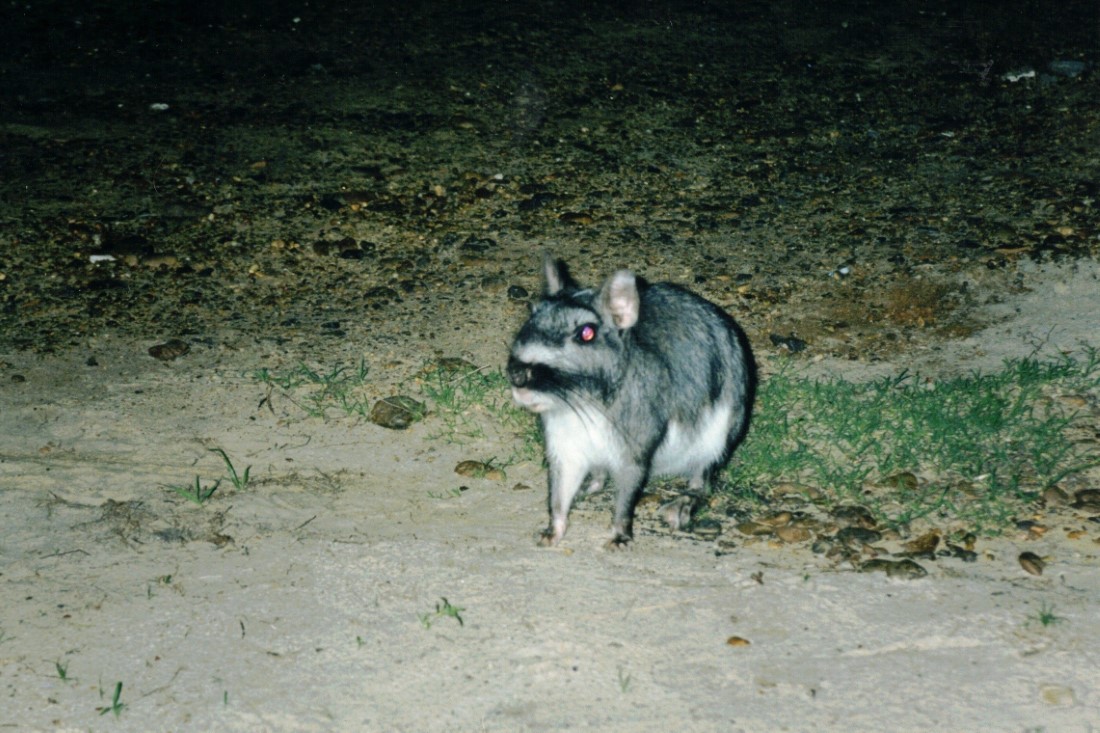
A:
335, 186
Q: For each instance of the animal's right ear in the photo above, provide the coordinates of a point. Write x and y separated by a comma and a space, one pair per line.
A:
621, 299
555, 275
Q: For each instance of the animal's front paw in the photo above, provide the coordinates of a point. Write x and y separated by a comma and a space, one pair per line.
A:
547, 538
619, 542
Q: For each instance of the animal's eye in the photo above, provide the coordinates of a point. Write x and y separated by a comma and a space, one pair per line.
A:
586, 334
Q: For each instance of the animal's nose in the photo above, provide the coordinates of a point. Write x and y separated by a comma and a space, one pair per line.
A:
519, 374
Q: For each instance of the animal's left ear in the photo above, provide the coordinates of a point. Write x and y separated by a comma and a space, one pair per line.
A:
555, 276
620, 299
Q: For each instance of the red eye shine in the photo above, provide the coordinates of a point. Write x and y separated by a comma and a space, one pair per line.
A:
586, 334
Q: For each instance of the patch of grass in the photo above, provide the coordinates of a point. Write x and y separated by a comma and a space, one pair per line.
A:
1046, 617
984, 445
62, 670
450, 493
240, 482
624, 680
316, 392
443, 609
198, 493
116, 706
470, 402
463, 397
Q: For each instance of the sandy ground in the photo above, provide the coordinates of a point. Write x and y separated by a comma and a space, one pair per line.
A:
298, 604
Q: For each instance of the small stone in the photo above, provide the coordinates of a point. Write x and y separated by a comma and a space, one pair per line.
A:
1032, 563
1087, 499
1059, 695
754, 529
901, 570
852, 515
396, 413
791, 343
923, 546
779, 519
707, 529
800, 490
792, 534
737, 641
479, 469
857, 536
169, 350
580, 218
1055, 496
518, 292
962, 553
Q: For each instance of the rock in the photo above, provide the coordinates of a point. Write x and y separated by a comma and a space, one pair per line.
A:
1087, 499
396, 413
169, 350
853, 515
923, 546
857, 536
479, 469
1031, 562
707, 529
901, 570
793, 533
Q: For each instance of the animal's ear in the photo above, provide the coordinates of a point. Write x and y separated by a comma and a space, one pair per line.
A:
556, 276
620, 299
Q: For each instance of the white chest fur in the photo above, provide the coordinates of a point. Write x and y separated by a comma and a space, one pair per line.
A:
583, 437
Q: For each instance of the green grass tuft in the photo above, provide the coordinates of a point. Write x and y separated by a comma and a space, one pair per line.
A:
984, 445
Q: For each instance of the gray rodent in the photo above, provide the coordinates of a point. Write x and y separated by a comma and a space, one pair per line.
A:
630, 381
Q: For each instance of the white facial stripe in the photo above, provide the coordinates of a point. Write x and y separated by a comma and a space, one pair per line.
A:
537, 353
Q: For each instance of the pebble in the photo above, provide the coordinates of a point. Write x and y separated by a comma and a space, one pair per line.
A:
479, 469
754, 529
923, 546
1088, 499
580, 218
1055, 496
793, 534
169, 350
791, 343
799, 490
853, 515
1058, 695
857, 536
1031, 562
396, 413
962, 553
902, 569
707, 529
780, 519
